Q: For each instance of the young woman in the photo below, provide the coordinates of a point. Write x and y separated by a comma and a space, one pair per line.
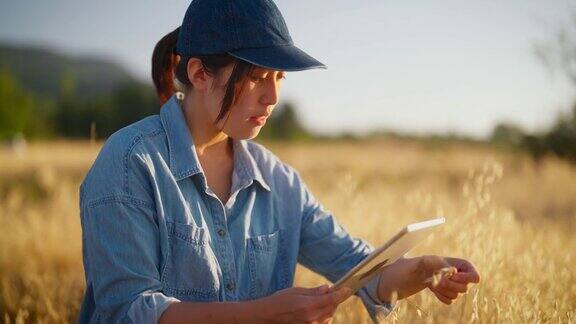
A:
184, 219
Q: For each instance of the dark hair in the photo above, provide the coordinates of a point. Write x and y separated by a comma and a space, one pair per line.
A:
163, 61
164, 68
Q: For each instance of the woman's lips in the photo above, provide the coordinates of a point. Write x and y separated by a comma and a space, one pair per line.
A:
259, 120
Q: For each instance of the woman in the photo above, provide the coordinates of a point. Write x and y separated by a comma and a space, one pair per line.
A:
186, 220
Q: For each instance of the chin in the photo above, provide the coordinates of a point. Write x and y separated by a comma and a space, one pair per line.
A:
250, 134
253, 134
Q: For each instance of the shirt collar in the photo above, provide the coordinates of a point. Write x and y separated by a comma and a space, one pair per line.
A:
184, 161
245, 163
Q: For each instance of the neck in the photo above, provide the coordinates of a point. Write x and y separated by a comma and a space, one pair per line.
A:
208, 139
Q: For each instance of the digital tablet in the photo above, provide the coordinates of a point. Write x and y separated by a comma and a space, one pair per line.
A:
388, 253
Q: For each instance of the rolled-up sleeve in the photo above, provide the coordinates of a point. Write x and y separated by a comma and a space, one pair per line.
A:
326, 248
377, 309
122, 259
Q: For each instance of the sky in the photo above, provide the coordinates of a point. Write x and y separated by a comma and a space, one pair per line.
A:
412, 66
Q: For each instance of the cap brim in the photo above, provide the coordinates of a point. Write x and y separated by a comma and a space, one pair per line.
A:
279, 57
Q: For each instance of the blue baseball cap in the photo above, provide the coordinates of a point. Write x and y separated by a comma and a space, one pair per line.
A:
250, 30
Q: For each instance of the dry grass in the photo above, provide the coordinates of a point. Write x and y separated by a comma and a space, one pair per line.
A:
512, 218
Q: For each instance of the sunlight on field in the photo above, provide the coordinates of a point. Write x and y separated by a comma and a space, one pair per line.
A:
512, 218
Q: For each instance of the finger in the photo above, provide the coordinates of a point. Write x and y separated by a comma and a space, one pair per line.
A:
447, 293
316, 314
466, 277
328, 320
320, 290
442, 298
464, 265
449, 284
342, 294
302, 290
333, 298
438, 261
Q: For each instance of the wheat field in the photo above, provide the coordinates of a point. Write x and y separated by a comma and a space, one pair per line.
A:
513, 218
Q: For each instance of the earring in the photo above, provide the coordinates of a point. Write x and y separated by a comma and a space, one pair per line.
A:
179, 89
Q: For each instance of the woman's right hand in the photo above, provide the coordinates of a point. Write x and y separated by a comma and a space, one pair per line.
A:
301, 305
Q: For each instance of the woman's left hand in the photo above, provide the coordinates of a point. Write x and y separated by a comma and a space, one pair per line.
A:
448, 287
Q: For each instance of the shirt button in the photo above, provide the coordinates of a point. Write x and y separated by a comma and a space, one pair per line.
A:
221, 232
230, 286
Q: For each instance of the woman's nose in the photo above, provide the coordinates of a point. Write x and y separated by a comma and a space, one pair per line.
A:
271, 93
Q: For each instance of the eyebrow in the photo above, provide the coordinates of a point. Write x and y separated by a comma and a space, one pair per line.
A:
260, 69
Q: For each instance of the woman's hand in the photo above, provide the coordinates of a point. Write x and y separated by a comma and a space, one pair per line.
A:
301, 305
447, 277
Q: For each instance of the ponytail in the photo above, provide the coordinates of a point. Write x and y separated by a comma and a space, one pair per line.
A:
164, 61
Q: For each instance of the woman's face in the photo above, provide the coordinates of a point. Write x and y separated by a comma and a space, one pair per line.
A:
253, 105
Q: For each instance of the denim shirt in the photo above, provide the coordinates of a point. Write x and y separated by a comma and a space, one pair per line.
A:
154, 233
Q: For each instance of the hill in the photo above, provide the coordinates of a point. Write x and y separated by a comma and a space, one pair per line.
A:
41, 71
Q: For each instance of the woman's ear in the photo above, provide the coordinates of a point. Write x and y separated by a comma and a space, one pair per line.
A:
197, 75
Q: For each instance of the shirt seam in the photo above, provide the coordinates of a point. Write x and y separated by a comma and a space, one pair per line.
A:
111, 199
135, 141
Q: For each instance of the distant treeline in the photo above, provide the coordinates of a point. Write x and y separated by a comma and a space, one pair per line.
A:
559, 139
46, 95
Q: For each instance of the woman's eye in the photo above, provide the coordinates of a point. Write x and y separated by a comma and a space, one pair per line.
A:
257, 79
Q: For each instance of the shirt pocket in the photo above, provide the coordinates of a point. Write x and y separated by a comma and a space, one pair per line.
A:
267, 266
191, 270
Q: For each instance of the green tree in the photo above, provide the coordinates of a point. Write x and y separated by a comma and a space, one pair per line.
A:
561, 139
284, 124
558, 54
128, 103
507, 133
16, 108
